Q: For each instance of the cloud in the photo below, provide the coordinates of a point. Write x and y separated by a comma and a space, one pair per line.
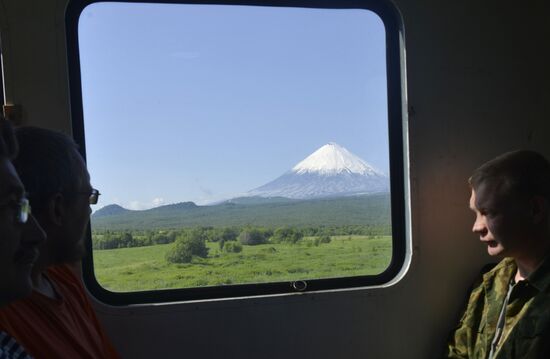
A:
159, 201
138, 206
134, 205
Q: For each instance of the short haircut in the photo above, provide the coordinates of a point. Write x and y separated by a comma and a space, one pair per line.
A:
48, 162
8, 144
520, 172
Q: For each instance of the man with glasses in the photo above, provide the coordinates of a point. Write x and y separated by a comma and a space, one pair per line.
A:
57, 320
19, 237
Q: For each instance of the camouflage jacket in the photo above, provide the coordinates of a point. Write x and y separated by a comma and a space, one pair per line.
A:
527, 330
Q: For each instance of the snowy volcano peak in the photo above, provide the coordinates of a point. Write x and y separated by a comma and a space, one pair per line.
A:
330, 171
333, 159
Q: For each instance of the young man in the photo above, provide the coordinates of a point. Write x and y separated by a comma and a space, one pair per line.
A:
57, 320
508, 313
19, 237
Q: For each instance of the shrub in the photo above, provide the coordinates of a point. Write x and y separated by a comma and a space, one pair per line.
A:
252, 236
160, 238
223, 234
287, 235
324, 239
232, 247
188, 245
114, 240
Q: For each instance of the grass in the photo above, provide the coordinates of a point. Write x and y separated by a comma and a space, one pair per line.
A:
144, 268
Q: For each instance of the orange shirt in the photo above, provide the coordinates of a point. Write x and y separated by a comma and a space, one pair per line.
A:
58, 328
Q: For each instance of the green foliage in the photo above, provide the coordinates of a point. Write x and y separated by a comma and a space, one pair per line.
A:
111, 241
145, 268
188, 245
326, 238
287, 235
252, 237
232, 247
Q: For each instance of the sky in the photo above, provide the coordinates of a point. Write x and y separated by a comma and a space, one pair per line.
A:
206, 102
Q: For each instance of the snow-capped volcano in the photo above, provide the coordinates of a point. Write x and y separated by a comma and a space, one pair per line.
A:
333, 159
332, 170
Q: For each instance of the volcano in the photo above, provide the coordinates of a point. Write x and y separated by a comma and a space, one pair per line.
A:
330, 171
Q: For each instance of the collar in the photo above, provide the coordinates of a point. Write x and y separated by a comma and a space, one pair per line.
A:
540, 278
506, 269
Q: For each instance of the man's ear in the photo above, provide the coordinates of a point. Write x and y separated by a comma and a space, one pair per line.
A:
56, 209
539, 209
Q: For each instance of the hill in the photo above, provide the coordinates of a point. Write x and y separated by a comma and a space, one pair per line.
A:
354, 210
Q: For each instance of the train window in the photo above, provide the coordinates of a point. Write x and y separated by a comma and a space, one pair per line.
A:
239, 149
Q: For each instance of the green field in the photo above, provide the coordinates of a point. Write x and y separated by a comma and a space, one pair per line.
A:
145, 268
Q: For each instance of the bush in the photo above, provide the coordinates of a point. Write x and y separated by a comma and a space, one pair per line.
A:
232, 247
287, 235
321, 239
114, 240
186, 246
252, 236
160, 238
223, 235
324, 239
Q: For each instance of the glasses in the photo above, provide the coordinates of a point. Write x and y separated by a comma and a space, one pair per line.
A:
22, 209
93, 195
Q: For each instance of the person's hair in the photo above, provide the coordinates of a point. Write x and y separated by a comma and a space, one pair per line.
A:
48, 162
520, 172
8, 144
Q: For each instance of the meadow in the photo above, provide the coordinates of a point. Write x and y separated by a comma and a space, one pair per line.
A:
145, 268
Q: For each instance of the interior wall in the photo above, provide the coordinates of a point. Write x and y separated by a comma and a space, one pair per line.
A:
478, 80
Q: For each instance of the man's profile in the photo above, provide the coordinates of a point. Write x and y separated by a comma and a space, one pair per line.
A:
57, 320
20, 235
507, 314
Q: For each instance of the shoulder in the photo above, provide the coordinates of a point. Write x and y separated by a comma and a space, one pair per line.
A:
69, 286
63, 272
66, 280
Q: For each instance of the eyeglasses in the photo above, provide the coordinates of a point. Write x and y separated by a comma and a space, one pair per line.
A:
22, 209
93, 195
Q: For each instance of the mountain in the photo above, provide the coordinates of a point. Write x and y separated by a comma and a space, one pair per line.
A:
373, 210
110, 210
330, 171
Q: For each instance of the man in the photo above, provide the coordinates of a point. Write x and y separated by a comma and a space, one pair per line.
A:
508, 313
57, 320
19, 237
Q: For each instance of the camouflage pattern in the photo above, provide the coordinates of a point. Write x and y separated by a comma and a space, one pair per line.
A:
527, 330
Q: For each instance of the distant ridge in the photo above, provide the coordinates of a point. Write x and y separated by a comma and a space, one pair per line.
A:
110, 210
331, 171
371, 209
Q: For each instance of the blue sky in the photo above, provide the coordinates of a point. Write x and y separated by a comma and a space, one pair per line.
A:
205, 102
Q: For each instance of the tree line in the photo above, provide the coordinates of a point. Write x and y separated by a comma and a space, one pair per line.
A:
246, 235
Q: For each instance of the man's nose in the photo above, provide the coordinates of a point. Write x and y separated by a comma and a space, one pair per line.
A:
479, 227
33, 233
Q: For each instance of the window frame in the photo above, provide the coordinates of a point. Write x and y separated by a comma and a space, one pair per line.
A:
397, 131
